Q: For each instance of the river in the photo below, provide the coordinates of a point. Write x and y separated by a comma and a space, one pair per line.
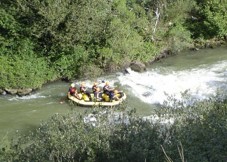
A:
200, 73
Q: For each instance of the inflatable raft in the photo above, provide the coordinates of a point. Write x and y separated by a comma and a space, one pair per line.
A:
103, 102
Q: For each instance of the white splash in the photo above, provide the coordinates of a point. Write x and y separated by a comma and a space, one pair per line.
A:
154, 86
165, 119
28, 97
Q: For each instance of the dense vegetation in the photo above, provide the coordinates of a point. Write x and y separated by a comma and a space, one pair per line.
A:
41, 41
193, 133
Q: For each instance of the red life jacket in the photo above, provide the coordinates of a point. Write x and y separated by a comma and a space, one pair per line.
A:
72, 90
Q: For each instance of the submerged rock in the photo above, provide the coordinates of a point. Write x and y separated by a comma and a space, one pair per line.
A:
127, 70
146, 94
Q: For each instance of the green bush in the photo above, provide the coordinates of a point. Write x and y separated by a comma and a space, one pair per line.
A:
73, 37
20, 67
68, 138
216, 18
208, 19
198, 130
203, 137
178, 38
8, 24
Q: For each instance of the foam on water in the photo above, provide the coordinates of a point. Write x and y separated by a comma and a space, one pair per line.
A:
28, 97
154, 86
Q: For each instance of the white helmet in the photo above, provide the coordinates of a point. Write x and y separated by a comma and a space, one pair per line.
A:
73, 85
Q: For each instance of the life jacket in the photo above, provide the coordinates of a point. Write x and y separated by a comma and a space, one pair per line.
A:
82, 89
106, 89
72, 90
95, 88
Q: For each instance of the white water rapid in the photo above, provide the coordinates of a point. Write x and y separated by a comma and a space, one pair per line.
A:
155, 85
201, 73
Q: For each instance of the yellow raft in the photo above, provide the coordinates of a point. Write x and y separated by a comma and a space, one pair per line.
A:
104, 102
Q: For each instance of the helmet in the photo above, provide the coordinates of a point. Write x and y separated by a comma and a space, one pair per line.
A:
72, 85
115, 91
95, 83
107, 83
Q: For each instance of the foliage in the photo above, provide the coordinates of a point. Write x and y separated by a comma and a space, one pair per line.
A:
178, 38
45, 40
176, 34
8, 24
73, 37
208, 19
70, 60
215, 13
69, 138
23, 71
183, 7
199, 130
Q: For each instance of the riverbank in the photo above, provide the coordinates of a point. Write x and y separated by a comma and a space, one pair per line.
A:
201, 71
134, 65
49, 48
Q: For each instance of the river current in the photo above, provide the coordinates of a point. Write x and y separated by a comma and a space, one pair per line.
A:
200, 74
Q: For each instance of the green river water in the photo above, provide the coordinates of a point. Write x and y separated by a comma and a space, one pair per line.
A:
202, 71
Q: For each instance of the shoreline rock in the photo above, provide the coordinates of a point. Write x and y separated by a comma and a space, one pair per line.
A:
213, 43
2, 92
138, 66
23, 92
164, 54
20, 92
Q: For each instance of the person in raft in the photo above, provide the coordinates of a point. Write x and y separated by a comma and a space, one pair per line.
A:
83, 90
73, 91
108, 90
96, 91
